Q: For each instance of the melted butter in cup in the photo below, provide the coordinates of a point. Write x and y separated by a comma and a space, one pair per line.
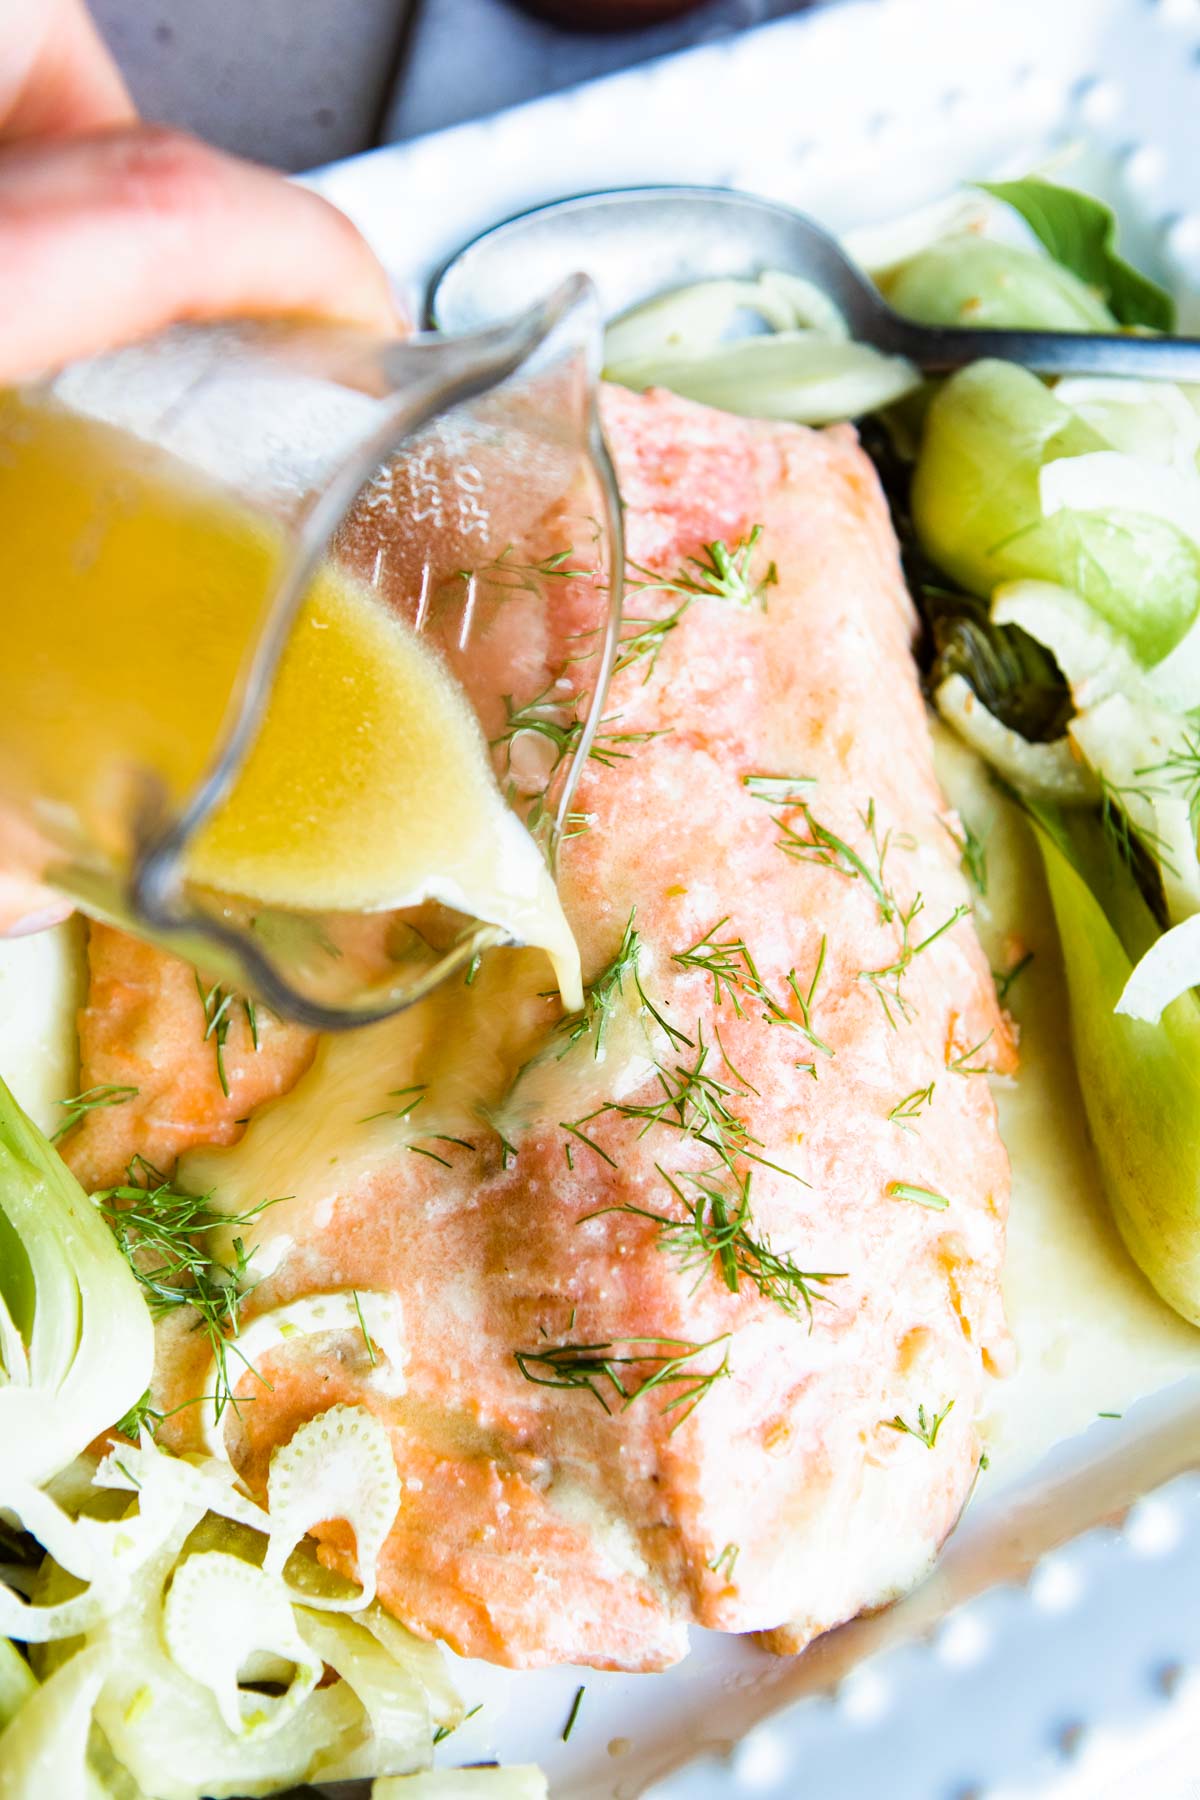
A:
369, 787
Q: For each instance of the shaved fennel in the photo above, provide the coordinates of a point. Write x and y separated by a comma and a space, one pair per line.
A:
374, 1318
76, 1340
337, 1466
1167, 971
43, 1751
804, 367
219, 1612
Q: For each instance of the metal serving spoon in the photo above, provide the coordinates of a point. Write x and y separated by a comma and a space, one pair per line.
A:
638, 242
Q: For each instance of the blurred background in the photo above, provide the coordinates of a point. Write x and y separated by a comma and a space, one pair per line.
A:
299, 83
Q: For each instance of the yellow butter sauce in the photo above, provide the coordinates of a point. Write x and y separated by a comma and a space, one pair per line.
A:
133, 594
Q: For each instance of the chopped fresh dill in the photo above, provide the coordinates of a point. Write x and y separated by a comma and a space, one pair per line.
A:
162, 1232
716, 1233
972, 854
609, 1369
576, 1703
745, 1082
805, 999
362, 1326
886, 982
577, 1131
79, 1105
1182, 770
544, 718
733, 973
921, 1196
1005, 982
777, 790
676, 1038
911, 1107
473, 968
985, 1462
1123, 833
717, 573
420, 1150
1110, 1415
142, 1414
694, 1103
219, 1004
926, 1429
644, 644
823, 846
726, 1561
444, 1731
961, 1064
409, 1097
600, 997
727, 963
522, 577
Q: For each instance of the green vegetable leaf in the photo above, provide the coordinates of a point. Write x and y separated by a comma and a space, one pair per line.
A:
1140, 1083
1080, 232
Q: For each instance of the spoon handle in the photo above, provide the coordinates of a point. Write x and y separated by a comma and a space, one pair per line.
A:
938, 349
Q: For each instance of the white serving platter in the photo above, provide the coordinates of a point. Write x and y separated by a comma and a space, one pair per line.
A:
1063, 1616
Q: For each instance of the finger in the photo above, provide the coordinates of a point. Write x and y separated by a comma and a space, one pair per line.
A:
108, 238
26, 906
56, 76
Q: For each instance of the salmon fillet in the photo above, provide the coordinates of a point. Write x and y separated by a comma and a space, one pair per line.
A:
781, 1456
144, 1028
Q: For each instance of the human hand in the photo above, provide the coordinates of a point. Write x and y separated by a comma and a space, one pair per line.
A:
111, 229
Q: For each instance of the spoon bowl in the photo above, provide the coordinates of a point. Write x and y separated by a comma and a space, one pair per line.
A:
636, 243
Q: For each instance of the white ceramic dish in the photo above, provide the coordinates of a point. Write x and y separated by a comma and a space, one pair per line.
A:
1063, 1611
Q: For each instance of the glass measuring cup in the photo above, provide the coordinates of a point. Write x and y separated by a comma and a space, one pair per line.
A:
182, 754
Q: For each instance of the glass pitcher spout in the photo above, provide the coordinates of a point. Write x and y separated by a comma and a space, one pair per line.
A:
306, 676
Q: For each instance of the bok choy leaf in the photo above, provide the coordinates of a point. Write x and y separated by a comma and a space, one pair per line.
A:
1080, 233
1141, 1091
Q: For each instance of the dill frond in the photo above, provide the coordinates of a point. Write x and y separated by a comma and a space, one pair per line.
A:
911, 1107
718, 573
1005, 982
162, 1233
824, 847
219, 1004
886, 982
972, 854
609, 1371
1125, 836
926, 1429
558, 722
961, 1064
726, 1561
715, 1232
1182, 770
778, 790
920, 1196
93, 1098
